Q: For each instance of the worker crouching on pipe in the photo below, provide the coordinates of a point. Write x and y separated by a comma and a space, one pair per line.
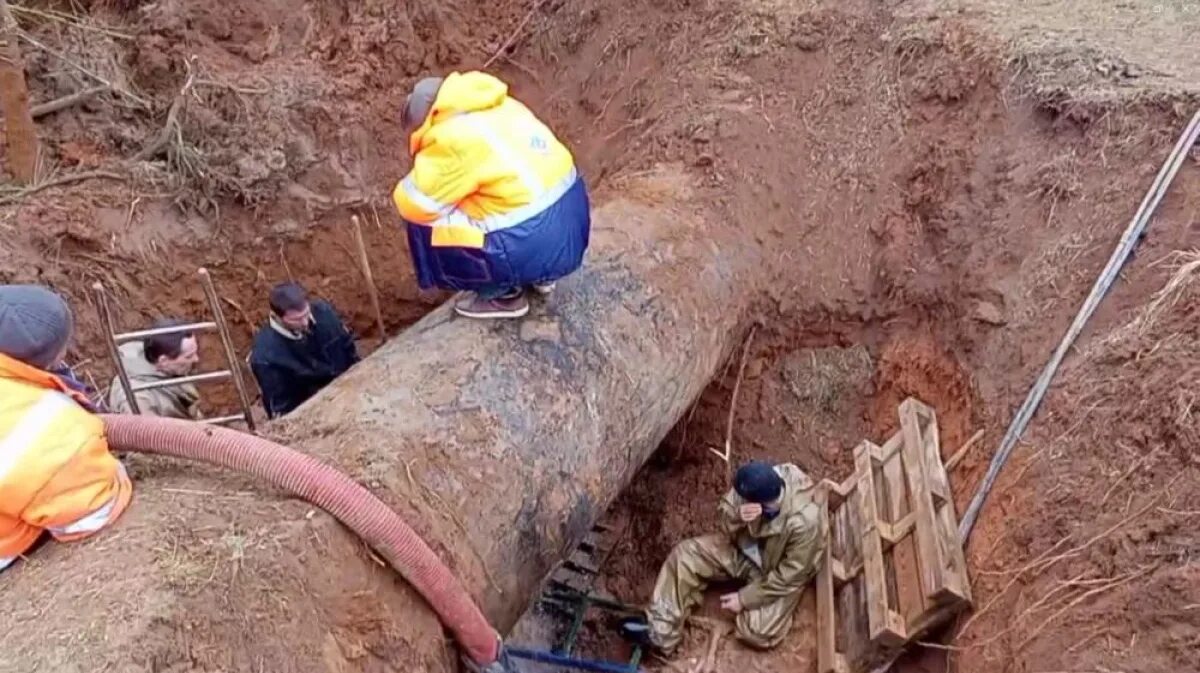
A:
56, 472
493, 203
772, 538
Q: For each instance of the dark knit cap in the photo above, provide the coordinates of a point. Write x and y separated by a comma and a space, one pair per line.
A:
35, 325
758, 482
419, 103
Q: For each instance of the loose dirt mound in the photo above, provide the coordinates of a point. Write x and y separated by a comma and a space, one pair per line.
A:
928, 194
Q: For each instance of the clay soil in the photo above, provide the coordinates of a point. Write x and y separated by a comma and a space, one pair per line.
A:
930, 190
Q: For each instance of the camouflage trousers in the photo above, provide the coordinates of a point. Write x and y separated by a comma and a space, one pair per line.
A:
681, 584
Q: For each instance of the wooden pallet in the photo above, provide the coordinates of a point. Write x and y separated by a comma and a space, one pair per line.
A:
894, 565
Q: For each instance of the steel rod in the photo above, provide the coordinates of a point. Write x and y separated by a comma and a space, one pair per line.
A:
111, 343
223, 420
1128, 242
214, 303
183, 380
142, 335
365, 265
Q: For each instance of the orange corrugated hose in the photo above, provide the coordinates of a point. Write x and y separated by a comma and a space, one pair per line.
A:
348, 501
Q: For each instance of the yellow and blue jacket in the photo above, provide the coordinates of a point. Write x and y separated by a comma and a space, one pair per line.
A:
56, 472
493, 198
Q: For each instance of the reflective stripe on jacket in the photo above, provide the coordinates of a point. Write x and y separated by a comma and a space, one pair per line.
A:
493, 197
56, 472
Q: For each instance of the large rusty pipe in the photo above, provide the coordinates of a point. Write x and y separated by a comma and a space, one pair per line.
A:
500, 442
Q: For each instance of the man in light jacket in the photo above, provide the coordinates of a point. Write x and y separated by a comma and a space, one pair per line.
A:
158, 358
772, 539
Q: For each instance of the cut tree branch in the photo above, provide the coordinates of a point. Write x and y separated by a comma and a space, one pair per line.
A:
70, 100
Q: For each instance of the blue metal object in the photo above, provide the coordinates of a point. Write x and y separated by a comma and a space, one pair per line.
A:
579, 603
576, 603
544, 657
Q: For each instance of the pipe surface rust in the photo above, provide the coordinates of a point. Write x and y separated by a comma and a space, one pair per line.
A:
498, 442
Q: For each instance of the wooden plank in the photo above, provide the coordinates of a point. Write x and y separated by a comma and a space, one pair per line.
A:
895, 488
884, 508
854, 594
838, 571
957, 581
889, 450
929, 550
828, 658
834, 493
894, 567
893, 533
845, 637
884, 626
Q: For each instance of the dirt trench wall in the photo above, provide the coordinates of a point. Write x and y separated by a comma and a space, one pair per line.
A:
501, 443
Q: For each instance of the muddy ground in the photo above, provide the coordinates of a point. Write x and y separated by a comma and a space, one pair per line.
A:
932, 188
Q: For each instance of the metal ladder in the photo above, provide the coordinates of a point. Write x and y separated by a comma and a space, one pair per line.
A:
565, 594
114, 339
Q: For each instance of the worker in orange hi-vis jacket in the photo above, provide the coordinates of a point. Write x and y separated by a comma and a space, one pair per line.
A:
57, 475
494, 204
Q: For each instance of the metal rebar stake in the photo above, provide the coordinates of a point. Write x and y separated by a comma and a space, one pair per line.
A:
110, 340
214, 302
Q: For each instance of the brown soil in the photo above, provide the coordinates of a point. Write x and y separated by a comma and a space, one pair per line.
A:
930, 195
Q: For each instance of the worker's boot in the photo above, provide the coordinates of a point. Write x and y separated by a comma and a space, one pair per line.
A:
543, 289
511, 305
636, 630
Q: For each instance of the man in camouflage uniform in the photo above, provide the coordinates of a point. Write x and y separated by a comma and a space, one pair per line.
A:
772, 538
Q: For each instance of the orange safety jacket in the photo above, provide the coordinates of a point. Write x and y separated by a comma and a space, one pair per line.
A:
56, 472
493, 198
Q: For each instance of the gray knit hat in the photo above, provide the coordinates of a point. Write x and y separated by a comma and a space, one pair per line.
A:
419, 103
35, 324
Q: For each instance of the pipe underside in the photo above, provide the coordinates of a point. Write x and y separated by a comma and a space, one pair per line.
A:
499, 443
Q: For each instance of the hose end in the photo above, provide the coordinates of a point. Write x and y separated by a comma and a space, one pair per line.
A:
502, 664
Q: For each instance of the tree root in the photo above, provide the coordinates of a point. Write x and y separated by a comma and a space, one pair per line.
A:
172, 130
65, 102
58, 182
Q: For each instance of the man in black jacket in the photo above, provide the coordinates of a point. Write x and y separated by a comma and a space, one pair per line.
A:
301, 350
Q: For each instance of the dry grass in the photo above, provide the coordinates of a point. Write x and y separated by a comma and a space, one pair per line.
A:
29, 14
1073, 51
1058, 179
827, 375
197, 560
1183, 266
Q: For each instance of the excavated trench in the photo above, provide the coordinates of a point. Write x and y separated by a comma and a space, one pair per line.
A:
874, 208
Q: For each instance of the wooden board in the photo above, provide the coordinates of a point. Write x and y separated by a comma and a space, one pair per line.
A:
884, 624
831, 660
894, 566
943, 576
